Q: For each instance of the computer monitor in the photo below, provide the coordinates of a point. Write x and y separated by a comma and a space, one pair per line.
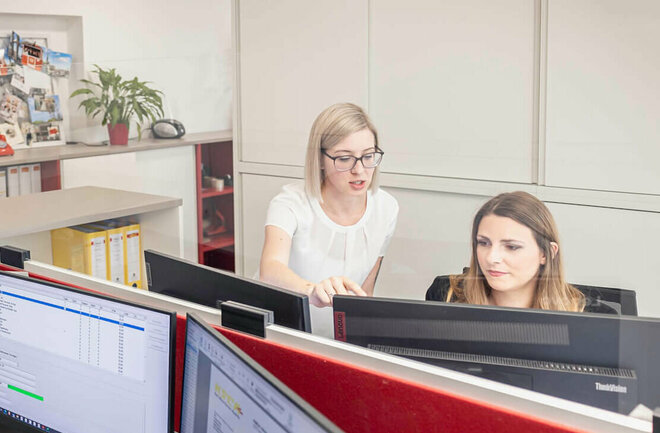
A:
226, 390
606, 361
201, 284
622, 300
73, 361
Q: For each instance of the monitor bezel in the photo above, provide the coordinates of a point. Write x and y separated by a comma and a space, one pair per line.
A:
303, 405
21, 426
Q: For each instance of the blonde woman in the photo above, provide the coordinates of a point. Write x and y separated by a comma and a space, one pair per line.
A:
329, 235
516, 261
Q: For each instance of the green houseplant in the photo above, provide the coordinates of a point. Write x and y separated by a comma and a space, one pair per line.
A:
119, 101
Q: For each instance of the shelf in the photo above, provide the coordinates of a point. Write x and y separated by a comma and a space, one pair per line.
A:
221, 241
67, 207
71, 151
210, 192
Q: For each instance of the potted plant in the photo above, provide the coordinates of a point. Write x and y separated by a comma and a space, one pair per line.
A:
119, 101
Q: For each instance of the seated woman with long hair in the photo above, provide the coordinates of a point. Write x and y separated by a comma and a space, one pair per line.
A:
516, 261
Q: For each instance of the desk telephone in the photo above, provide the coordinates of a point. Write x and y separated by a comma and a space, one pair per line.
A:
167, 128
5, 148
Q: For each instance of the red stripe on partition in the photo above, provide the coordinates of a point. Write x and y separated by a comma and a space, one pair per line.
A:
180, 350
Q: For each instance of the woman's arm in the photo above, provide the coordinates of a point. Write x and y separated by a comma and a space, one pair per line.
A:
274, 270
370, 281
274, 267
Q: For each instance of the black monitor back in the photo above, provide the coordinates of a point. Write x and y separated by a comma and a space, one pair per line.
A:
623, 342
201, 284
626, 299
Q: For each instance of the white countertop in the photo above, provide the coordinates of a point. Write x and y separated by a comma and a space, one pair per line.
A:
67, 207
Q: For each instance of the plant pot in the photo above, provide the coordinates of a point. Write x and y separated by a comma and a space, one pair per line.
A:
118, 134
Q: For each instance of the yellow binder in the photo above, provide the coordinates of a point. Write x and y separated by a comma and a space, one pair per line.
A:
81, 249
115, 251
133, 248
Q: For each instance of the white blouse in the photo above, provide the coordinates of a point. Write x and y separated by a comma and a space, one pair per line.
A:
321, 248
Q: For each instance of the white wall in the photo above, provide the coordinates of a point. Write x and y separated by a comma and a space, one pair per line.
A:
183, 48
275, 77
557, 98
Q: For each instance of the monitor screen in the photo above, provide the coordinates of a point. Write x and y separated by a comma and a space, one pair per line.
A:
604, 360
201, 284
76, 362
225, 390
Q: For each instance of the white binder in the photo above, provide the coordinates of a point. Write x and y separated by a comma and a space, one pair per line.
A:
24, 180
12, 181
35, 174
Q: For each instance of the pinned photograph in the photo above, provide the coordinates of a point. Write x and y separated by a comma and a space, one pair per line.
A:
32, 55
44, 108
46, 132
18, 80
59, 64
13, 133
14, 47
6, 66
23, 111
9, 107
36, 79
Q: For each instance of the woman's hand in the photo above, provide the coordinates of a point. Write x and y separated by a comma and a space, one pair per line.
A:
322, 292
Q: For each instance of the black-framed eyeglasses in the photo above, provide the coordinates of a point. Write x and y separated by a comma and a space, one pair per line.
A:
348, 162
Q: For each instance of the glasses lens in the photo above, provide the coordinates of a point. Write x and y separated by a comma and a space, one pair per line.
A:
371, 160
345, 163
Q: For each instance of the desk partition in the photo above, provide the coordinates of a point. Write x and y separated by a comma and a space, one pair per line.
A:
365, 391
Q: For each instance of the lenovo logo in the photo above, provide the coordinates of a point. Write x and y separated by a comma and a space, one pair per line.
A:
340, 326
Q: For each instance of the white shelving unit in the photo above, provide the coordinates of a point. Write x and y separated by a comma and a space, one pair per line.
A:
27, 220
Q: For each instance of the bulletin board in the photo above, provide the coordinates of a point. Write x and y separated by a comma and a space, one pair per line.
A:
30, 104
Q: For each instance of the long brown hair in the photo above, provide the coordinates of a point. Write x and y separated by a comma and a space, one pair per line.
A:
552, 291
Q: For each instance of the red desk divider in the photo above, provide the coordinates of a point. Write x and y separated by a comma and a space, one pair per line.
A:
180, 350
360, 400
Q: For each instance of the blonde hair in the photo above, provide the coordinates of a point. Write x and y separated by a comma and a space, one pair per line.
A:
552, 291
330, 127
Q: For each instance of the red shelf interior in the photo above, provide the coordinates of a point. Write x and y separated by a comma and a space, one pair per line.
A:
217, 251
50, 176
210, 192
221, 241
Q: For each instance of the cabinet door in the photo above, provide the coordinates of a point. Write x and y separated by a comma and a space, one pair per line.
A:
296, 58
603, 95
451, 87
256, 194
612, 248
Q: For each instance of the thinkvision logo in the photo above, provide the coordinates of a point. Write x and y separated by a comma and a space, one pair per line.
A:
611, 387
